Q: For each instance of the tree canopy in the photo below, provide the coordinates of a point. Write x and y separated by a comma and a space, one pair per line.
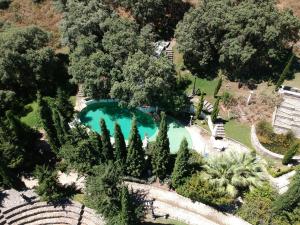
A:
247, 38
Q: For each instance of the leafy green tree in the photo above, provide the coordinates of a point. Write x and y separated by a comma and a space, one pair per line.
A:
181, 168
234, 173
45, 114
120, 151
285, 72
107, 149
91, 22
290, 199
135, 161
147, 81
215, 112
217, 89
221, 34
163, 14
124, 37
27, 64
288, 156
199, 107
48, 189
91, 67
161, 150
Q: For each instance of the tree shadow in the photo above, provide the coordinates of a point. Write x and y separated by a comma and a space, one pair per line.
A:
2, 197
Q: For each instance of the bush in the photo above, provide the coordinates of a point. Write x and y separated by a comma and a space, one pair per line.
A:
257, 207
288, 156
199, 189
4, 4
227, 99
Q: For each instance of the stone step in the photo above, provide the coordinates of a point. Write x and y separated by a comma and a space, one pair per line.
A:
54, 221
68, 212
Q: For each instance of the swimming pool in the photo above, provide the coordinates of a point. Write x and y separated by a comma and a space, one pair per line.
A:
112, 113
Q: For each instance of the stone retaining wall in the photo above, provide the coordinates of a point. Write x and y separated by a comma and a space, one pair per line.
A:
260, 148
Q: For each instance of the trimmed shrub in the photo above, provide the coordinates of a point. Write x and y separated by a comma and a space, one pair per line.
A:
217, 89
288, 157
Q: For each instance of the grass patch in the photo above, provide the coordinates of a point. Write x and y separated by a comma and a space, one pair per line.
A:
238, 131
73, 100
79, 198
295, 82
32, 119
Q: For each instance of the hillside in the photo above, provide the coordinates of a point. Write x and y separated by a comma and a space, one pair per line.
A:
25, 12
291, 4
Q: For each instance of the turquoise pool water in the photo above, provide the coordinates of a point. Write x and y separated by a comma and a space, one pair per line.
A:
112, 113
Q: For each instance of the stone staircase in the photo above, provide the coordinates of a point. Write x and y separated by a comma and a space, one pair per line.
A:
170, 54
80, 92
207, 106
219, 130
42, 213
287, 115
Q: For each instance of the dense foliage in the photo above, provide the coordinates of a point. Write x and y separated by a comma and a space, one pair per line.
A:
246, 38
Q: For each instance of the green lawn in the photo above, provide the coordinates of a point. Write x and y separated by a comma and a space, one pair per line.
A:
239, 132
295, 82
32, 119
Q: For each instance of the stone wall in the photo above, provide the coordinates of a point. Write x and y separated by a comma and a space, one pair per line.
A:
261, 149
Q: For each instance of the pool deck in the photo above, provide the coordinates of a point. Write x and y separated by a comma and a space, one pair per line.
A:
199, 143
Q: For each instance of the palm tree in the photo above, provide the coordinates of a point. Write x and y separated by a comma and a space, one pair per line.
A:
234, 172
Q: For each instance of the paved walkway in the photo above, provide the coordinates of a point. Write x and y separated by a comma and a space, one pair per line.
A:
199, 143
183, 209
282, 182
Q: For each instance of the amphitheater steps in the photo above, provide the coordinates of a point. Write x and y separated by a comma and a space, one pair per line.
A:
41, 213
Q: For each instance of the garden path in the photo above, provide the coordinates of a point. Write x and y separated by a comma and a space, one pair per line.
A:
183, 209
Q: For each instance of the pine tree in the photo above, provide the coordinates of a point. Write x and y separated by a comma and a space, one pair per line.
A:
290, 199
135, 156
64, 105
181, 167
285, 72
288, 156
126, 208
199, 107
96, 148
45, 114
217, 89
120, 145
215, 112
161, 150
107, 149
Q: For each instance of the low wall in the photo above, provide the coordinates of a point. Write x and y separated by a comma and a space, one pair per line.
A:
89, 102
260, 148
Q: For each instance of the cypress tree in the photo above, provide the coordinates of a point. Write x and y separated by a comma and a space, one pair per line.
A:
217, 89
290, 199
161, 151
284, 73
200, 106
107, 149
126, 216
63, 104
215, 112
120, 145
288, 156
135, 156
181, 167
60, 130
47, 122
96, 148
